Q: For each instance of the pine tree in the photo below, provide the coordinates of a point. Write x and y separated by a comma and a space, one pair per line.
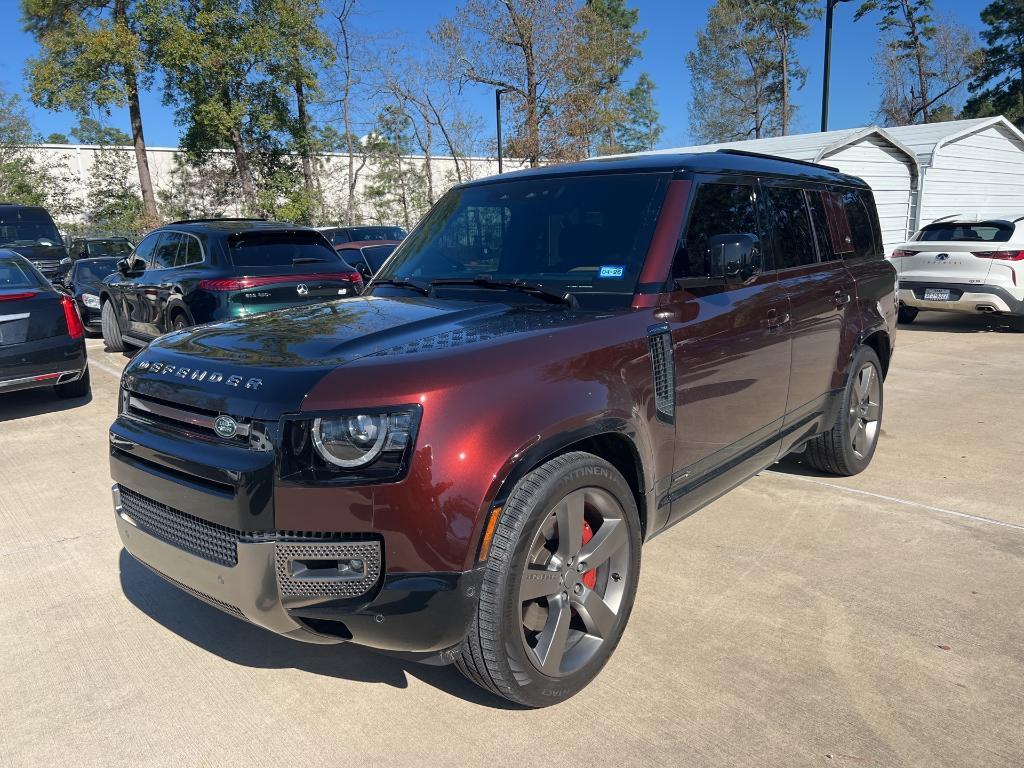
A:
998, 87
640, 129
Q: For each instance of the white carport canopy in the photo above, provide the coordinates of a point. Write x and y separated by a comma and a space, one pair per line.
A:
918, 173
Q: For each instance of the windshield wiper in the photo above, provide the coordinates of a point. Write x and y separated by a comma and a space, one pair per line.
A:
525, 286
404, 282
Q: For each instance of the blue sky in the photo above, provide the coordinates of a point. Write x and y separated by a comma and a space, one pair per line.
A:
671, 26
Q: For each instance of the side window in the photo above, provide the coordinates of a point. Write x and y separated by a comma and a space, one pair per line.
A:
824, 226
189, 252
718, 209
340, 236
791, 227
165, 253
858, 206
144, 251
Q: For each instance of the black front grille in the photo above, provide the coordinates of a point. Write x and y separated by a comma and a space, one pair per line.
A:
200, 537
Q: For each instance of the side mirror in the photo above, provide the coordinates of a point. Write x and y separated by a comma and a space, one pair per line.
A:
124, 266
66, 261
736, 257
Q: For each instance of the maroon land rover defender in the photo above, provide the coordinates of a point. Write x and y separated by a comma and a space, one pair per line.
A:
462, 463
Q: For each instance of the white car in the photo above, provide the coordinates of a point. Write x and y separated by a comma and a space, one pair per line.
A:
967, 264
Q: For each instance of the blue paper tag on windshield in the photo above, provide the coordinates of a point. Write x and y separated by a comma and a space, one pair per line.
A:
611, 271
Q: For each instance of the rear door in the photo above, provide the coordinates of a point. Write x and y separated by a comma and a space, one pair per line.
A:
943, 252
820, 290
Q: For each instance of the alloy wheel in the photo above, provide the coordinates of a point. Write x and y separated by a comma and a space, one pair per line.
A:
572, 589
865, 410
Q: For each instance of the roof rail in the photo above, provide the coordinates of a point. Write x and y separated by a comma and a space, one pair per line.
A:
748, 153
219, 218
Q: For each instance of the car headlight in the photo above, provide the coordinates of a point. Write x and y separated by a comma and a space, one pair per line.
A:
358, 446
91, 301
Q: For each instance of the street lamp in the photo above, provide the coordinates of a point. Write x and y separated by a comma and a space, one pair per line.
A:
497, 115
829, 7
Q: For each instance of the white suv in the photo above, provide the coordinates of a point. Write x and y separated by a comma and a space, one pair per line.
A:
964, 264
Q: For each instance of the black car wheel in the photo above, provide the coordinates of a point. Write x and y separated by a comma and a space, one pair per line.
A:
111, 330
847, 448
559, 585
179, 322
78, 388
906, 315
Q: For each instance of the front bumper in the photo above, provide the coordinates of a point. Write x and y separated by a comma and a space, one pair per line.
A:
971, 298
420, 615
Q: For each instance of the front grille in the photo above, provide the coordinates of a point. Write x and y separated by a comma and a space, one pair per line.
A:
209, 541
195, 422
219, 544
226, 607
358, 584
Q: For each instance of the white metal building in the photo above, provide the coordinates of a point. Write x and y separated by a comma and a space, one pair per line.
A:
918, 173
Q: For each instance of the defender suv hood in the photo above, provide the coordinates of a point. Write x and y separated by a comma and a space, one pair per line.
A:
268, 363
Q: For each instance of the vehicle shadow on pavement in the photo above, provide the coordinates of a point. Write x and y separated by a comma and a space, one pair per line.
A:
33, 402
959, 323
251, 646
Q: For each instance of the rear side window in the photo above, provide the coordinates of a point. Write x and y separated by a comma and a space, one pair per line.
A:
982, 231
792, 235
280, 249
167, 250
189, 252
377, 233
15, 273
718, 209
859, 207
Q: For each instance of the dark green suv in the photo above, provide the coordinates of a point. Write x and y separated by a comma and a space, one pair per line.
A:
197, 271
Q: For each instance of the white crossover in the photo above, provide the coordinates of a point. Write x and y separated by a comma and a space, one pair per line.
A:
971, 264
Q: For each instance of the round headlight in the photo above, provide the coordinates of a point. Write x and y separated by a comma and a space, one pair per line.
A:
350, 441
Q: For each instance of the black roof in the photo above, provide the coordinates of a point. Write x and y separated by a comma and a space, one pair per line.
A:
722, 161
92, 238
232, 226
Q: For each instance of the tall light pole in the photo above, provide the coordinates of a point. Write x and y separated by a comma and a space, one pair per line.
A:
497, 116
829, 7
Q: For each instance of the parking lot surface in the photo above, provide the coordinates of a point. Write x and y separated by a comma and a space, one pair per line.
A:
800, 620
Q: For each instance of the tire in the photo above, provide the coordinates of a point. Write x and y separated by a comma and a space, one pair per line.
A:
846, 449
179, 322
78, 388
906, 315
1017, 324
585, 611
112, 339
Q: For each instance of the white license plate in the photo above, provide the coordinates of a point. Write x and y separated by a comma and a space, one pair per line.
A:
936, 294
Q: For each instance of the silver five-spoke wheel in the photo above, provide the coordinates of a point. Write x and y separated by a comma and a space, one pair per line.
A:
573, 585
865, 410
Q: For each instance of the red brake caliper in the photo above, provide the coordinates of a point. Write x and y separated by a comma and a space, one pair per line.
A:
590, 577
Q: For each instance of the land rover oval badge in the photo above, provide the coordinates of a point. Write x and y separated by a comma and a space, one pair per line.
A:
225, 426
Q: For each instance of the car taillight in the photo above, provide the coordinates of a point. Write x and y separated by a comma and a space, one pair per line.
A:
242, 283
75, 328
901, 252
1001, 255
16, 296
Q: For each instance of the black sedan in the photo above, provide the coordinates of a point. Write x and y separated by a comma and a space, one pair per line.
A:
83, 282
42, 339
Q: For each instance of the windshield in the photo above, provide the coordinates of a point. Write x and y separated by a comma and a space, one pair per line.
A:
982, 231
280, 249
118, 248
376, 255
16, 273
94, 271
16, 232
584, 235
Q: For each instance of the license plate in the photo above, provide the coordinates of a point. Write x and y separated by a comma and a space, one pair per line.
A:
936, 294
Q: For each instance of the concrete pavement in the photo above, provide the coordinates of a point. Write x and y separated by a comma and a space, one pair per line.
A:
799, 621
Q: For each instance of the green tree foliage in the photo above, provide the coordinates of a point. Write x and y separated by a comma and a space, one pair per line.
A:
113, 202
998, 86
608, 44
91, 56
24, 178
923, 62
90, 131
785, 21
639, 128
398, 191
57, 138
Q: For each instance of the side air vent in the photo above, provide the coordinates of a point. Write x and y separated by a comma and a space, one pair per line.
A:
663, 372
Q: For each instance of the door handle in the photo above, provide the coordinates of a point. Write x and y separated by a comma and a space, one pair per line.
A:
841, 299
774, 320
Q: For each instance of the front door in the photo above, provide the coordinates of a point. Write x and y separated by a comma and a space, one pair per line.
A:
130, 296
731, 350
